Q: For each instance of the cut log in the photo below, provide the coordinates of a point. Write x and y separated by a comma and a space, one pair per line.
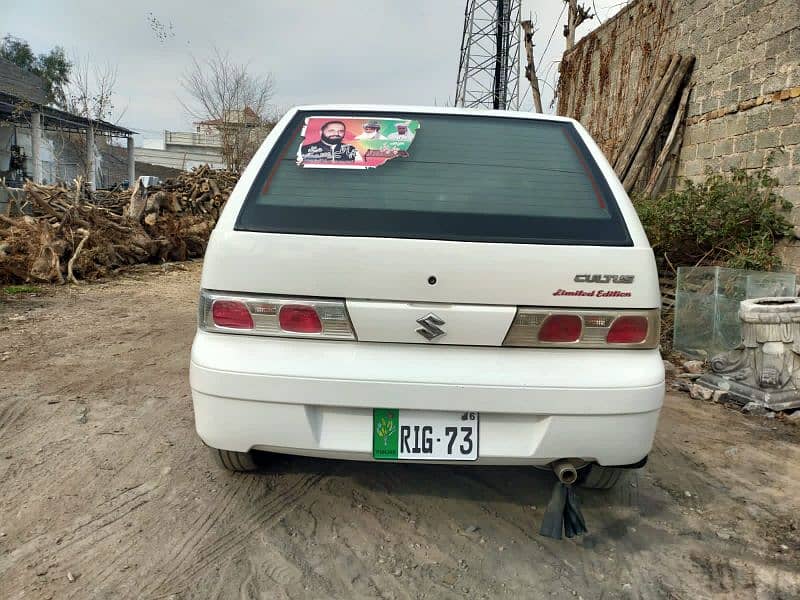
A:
138, 201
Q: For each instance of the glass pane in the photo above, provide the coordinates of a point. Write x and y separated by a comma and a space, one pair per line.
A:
471, 178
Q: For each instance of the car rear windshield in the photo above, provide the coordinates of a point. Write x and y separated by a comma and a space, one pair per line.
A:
470, 178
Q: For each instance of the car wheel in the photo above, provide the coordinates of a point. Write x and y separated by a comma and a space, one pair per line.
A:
238, 462
595, 477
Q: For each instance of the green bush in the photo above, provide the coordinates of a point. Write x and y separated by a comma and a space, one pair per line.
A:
731, 220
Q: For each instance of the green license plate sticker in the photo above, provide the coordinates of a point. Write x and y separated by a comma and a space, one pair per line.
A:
385, 427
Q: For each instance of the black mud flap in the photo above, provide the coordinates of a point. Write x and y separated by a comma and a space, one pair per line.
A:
563, 514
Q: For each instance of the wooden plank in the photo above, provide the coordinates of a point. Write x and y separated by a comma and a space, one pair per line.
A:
655, 80
670, 143
645, 116
651, 132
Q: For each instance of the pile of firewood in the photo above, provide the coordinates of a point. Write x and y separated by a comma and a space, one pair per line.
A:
75, 234
202, 191
116, 201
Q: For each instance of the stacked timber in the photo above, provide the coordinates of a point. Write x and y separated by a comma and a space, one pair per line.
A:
74, 233
663, 105
202, 191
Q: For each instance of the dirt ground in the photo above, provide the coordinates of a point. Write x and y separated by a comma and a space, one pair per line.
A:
106, 491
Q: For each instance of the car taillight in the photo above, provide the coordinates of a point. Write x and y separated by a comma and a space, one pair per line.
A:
299, 319
584, 328
628, 330
253, 314
231, 314
561, 329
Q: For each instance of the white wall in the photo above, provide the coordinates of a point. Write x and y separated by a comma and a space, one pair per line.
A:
57, 164
177, 159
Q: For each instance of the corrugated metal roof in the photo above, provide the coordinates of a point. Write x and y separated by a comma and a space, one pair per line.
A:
21, 83
15, 110
18, 87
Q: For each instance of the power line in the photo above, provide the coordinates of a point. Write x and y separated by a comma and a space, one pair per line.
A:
596, 14
552, 33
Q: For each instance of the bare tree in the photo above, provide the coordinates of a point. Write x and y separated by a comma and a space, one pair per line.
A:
226, 98
576, 15
90, 94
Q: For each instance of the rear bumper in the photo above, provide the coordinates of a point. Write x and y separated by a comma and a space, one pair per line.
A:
316, 398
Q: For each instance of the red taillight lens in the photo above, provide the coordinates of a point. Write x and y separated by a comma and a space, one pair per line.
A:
561, 328
628, 330
299, 319
229, 313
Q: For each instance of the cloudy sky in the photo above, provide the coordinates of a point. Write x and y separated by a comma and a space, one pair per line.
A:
371, 51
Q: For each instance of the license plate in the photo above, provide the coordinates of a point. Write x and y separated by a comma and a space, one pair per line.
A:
424, 435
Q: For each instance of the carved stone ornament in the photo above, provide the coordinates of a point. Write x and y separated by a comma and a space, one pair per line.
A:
765, 368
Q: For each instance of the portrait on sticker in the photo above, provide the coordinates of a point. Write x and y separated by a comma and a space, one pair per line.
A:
355, 142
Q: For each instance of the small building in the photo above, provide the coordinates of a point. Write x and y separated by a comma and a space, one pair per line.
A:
222, 142
185, 150
231, 120
45, 144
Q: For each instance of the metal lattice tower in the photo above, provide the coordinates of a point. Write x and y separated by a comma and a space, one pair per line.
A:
488, 72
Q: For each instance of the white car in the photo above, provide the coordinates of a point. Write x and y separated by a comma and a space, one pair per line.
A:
483, 294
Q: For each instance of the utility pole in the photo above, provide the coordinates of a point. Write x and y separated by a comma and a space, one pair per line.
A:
530, 70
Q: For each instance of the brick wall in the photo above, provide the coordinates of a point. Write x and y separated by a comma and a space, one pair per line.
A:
744, 109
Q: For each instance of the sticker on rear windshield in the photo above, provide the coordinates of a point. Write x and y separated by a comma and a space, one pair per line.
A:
354, 142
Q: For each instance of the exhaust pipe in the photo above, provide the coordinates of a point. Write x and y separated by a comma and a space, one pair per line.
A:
565, 471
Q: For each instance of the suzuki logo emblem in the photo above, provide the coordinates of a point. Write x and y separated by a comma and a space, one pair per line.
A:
430, 329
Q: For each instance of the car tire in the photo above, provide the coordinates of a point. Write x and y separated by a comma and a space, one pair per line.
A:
238, 462
595, 477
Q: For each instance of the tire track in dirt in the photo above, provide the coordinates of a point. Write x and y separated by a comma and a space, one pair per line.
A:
194, 556
266, 517
329, 525
221, 505
12, 410
82, 544
386, 524
332, 570
99, 573
78, 535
